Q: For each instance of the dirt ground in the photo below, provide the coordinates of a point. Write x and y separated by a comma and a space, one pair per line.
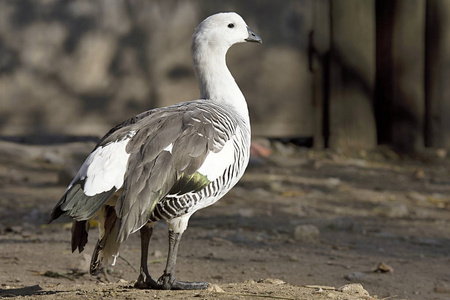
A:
301, 224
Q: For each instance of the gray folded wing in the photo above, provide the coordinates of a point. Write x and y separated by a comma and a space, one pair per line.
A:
164, 149
165, 153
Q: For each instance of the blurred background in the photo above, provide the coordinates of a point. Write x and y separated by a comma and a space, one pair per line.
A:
345, 75
360, 82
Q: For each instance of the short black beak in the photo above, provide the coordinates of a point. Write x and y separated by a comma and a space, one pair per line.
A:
253, 37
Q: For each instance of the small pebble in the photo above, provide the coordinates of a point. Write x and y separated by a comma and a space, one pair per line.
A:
384, 268
215, 288
306, 233
354, 289
359, 277
318, 291
272, 281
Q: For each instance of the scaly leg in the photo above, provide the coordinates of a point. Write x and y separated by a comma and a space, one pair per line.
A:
144, 280
167, 281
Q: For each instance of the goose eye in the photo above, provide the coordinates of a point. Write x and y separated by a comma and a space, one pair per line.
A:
231, 25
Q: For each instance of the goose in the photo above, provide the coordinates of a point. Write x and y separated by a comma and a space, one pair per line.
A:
166, 163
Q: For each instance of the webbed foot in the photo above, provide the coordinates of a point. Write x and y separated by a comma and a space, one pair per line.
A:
145, 281
168, 282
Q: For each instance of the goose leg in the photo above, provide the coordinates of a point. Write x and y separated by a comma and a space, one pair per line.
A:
144, 280
167, 281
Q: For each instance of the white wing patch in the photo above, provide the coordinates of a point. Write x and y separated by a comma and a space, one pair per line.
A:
104, 168
216, 163
169, 148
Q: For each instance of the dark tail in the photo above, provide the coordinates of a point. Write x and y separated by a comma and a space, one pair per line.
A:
79, 235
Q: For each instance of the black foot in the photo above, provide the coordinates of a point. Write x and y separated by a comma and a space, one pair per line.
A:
144, 281
167, 282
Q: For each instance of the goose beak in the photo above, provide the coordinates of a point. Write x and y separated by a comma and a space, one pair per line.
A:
253, 37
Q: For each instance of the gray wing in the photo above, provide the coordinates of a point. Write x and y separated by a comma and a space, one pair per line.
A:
165, 153
75, 202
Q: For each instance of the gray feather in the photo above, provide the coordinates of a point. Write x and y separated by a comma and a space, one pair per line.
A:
76, 204
153, 173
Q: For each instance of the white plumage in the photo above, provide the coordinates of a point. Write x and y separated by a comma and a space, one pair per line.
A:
168, 162
216, 163
169, 148
103, 169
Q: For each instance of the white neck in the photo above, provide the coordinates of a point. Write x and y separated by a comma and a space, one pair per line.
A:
215, 80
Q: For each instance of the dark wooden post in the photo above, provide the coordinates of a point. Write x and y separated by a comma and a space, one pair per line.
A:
319, 53
400, 73
437, 70
352, 75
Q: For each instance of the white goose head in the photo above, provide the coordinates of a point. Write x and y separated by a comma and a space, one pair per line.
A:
223, 30
210, 43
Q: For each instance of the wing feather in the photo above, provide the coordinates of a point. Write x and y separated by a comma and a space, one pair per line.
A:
78, 205
153, 173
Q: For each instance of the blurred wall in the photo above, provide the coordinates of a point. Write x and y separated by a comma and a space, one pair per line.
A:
80, 67
349, 74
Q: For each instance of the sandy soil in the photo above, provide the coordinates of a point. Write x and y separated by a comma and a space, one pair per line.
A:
300, 225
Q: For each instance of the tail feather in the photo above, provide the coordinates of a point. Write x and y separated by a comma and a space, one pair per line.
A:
97, 258
79, 235
107, 247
